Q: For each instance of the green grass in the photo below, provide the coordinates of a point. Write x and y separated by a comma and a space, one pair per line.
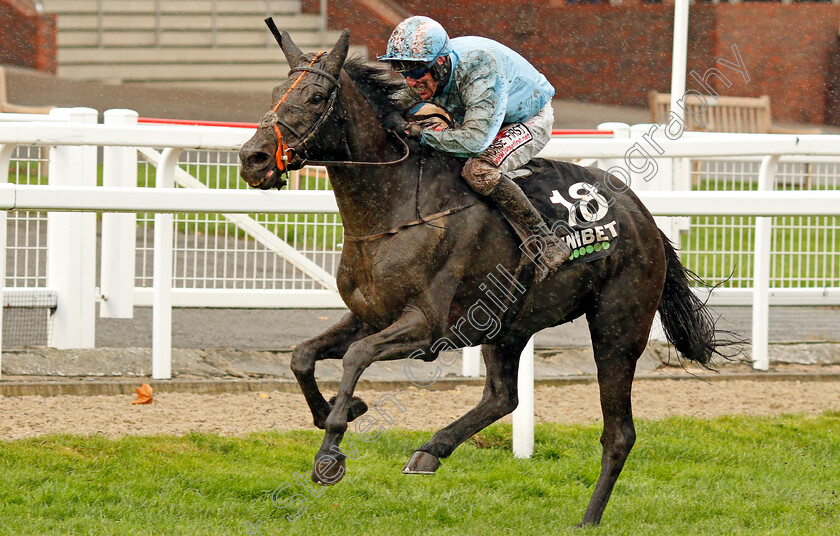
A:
735, 475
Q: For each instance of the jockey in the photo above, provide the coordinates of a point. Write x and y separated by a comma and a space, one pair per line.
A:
502, 110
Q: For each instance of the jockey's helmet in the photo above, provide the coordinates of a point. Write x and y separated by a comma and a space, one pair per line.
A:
416, 39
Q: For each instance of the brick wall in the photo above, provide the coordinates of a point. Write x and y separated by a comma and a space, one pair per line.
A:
615, 54
27, 39
367, 27
787, 50
595, 53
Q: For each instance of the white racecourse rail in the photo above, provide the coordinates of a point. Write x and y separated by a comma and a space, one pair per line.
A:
655, 165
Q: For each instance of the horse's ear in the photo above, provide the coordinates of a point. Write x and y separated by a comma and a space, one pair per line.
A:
336, 57
290, 49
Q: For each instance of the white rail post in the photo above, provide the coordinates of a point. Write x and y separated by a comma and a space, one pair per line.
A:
119, 231
761, 271
5, 158
162, 302
681, 167
322, 23
658, 175
471, 365
523, 415
71, 243
679, 55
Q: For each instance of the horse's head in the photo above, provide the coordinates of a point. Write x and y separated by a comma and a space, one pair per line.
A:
302, 121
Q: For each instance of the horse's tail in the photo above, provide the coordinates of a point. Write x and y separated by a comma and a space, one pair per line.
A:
687, 322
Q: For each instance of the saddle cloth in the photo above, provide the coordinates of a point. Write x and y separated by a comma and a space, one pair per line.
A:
573, 204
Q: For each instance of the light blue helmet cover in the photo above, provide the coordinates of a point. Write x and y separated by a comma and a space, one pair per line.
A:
417, 39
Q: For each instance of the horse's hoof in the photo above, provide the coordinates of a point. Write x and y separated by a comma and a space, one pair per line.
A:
421, 463
328, 470
356, 409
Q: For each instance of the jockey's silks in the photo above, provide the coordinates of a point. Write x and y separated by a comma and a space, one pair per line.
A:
489, 85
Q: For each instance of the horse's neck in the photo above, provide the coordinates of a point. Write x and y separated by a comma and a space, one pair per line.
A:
374, 199
370, 198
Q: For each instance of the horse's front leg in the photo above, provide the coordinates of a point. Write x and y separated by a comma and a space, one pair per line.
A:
408, 334
332, 344
499, 399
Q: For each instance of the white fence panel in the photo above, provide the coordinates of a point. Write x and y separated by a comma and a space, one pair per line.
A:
313, 246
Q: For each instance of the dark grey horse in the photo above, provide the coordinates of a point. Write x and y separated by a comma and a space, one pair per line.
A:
417, 256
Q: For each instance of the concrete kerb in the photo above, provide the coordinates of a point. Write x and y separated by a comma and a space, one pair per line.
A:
109, 387
119, 371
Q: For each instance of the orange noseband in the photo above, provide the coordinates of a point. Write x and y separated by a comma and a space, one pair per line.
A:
283, 153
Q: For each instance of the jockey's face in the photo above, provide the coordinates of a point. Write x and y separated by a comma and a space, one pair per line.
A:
426, 86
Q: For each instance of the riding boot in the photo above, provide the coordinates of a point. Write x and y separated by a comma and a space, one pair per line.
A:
510, 198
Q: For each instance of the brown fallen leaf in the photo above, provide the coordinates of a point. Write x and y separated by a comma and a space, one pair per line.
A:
144, 394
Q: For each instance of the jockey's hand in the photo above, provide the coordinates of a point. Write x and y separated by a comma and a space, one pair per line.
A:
394, 122
434, 123
413, 130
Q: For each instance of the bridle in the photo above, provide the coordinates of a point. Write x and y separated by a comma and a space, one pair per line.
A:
284, 151
271, 119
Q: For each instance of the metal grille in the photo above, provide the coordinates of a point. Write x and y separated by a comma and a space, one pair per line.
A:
27, 315
26, 233
212, 252
804, 249
27, 312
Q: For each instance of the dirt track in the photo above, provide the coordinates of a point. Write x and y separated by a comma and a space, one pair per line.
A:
237, 414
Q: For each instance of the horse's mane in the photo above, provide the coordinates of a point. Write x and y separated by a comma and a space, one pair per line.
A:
382, 88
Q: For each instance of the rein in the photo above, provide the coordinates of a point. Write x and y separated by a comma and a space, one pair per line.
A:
360, 163
420, 219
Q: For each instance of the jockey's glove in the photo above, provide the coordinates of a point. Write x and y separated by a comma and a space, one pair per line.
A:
414, 130
394, 122
434, 123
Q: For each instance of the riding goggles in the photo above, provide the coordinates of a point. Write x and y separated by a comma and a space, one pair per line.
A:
412, 69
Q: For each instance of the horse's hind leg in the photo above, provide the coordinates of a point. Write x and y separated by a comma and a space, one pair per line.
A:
619, 336
332, 344
499, 399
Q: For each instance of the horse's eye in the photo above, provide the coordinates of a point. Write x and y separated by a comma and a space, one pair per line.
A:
317, 98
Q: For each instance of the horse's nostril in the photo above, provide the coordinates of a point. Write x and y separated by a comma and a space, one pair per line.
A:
258, 160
